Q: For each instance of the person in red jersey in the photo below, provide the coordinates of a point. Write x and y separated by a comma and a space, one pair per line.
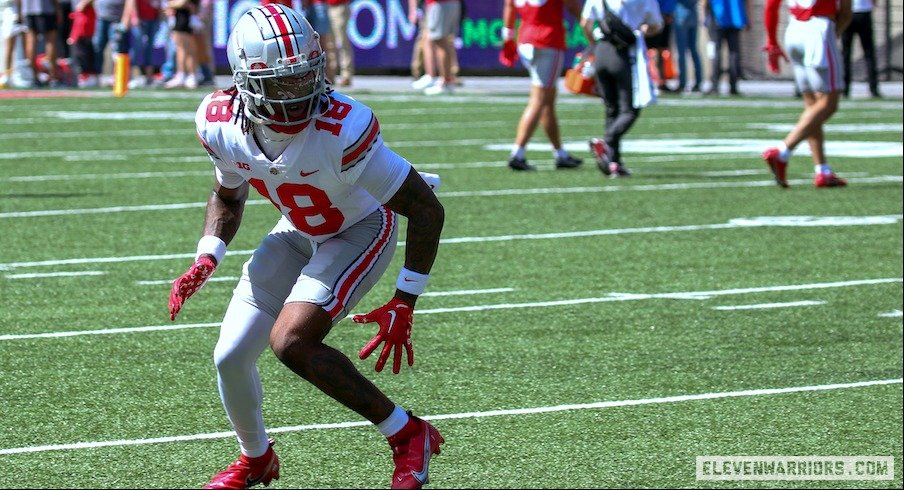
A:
541, 48
319, 157
811, 43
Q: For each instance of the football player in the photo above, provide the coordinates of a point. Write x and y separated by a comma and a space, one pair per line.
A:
811, 39
318, 156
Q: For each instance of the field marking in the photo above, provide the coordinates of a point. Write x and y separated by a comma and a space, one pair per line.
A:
55, 274
762, 306
609, 298
769, 221
487, 193
170, 281
420, 166
892, 314
467, 415
466, 292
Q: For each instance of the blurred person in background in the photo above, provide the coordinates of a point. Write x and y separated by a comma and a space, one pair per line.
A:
342, 57
861, 26
729, 17
202, 24
110, 25
81, 43
179, 14
811, 40
541, 48
442, 21
42, 17
620, 62
684, 26
11, 31
142, 19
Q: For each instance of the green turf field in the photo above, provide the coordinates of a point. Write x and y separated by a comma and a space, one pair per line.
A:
580, 331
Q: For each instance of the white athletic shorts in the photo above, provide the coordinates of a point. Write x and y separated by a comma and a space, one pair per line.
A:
813, 49
335, 274
443, 19
543, 64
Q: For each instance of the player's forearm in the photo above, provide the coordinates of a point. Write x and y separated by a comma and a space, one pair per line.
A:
224, 214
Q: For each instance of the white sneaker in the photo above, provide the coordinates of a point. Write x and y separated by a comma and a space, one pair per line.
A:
178, 80
423, 82
138, 82
88, 81
438, 89
191, 81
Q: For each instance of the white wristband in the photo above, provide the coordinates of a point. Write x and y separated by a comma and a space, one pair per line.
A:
507, 34
412, 282
211, 245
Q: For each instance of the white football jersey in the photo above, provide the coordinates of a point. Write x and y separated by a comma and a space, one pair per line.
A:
316, 182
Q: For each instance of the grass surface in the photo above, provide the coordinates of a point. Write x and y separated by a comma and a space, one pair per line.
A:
696, 275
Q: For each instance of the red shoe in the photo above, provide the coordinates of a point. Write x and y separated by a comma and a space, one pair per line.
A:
412, 449
247, 472
777, 165
829, 180
598, 150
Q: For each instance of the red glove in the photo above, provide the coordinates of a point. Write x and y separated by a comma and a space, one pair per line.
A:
509, 53
395, 319
190, 282
774, 54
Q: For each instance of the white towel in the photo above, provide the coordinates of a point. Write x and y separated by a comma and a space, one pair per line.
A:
644, 93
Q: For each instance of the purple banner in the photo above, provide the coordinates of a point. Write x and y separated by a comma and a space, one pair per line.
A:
383, 37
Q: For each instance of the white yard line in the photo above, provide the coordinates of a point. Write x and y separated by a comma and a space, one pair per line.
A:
784, 221
487, 193
55, 274
609, 298
762, 306
468, 415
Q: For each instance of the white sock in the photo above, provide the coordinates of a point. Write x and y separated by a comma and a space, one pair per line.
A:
559, 153
517, 151
823, 168
784, 153
394, 423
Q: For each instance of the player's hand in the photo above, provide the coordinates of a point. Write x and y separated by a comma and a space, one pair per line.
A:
509, 53
774, 54
189, 283
395, 319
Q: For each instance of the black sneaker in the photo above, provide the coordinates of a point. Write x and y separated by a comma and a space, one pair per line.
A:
568, 162
516, 163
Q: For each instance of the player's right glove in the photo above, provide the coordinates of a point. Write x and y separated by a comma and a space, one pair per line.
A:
189, 283
774, 54
509, 53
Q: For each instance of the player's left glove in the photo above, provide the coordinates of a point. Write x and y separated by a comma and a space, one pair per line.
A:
189, 283
509, 53
774, 54
395, 319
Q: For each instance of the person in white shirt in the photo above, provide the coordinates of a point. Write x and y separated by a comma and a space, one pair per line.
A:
319, 157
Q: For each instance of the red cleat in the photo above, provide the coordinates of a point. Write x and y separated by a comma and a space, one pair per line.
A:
598, 150
247, 472
829, 180
777, 165
412, 449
